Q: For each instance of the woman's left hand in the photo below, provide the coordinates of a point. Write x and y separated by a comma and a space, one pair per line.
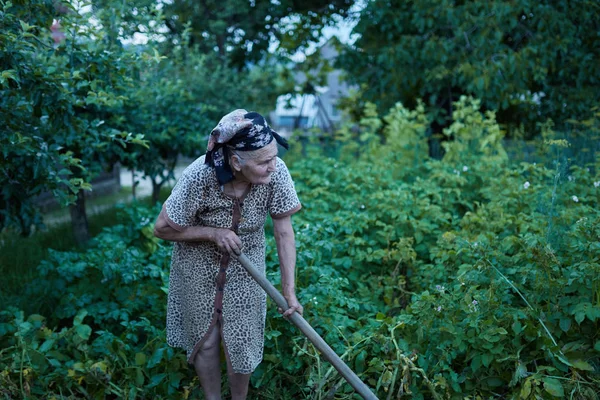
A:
293, 304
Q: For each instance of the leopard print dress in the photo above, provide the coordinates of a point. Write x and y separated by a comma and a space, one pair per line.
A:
207, 286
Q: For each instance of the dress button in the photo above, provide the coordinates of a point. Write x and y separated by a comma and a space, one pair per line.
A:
219, 310
220, 288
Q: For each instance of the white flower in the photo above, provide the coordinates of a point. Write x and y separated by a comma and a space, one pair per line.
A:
597, 183
570, 178
526, 185
575, 199
362, 206
473, 305
439, 308
465, 168
475, 244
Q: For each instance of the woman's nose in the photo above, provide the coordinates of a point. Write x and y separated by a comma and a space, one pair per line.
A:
272, 165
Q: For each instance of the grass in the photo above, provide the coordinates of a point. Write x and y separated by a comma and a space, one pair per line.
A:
20, 256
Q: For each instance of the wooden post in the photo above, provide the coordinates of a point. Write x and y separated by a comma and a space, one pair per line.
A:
308, 331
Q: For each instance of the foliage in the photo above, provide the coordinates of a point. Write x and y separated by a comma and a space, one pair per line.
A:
110, 302
58, 107
180, 99
461, 278
241, 32
522, 59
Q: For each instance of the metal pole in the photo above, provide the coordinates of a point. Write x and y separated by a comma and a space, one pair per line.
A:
309, 332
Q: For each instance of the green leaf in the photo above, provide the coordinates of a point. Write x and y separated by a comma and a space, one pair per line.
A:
9, 74
494, 382
47, 345
36, 318
386, 379
54, 362
84, 331
272, 334
593, 313
554, 387
78, 320
156, 380
140, 359
156, 357
487, 359
582, 365
565, 324
476, 363
359, 362
175, 378
526, 389
139, 377
517, 327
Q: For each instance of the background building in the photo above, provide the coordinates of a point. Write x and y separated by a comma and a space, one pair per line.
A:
317, 106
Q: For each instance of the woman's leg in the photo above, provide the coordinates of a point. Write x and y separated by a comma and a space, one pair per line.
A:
238, 383
208, 365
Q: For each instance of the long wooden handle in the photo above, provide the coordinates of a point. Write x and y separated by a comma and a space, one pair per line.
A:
308, 331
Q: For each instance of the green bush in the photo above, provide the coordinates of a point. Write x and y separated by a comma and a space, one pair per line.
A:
469, 277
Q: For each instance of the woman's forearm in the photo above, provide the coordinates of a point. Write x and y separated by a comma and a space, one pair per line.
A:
286, 249
164, 231
189, 234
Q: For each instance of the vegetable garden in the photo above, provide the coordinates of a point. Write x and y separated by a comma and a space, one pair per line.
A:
472, 275
462, 277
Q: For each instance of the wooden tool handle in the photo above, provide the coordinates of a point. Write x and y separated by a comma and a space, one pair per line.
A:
308, 331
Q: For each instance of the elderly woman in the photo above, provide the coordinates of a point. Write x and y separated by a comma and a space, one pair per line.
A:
218, 209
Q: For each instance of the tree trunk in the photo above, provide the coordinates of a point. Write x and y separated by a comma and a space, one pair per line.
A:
79, 220
133, 184
298, 119
156, 190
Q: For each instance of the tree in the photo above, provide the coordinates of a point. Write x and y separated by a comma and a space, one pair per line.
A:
180, 98
528, 60
58, 108
29, 163
241, 31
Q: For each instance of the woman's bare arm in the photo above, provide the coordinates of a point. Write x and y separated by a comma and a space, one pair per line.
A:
286, 249
225, 239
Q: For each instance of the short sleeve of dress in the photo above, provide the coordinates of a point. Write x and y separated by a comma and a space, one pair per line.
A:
184, 203
284, 200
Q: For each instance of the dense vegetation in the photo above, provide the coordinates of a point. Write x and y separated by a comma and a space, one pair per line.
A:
523, 59
474, 275
456, 278
79, 91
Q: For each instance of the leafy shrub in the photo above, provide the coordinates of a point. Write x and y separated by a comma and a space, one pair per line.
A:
469, 277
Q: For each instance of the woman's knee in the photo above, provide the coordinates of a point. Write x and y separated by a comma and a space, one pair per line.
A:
212, 341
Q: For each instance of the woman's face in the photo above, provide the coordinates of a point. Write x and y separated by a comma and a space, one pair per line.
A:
258, 169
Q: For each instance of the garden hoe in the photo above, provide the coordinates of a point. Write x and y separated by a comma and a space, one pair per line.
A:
308, 331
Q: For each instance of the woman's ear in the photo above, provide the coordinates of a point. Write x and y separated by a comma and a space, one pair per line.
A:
235, 163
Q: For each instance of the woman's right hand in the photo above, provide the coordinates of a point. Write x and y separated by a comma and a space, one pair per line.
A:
227, 241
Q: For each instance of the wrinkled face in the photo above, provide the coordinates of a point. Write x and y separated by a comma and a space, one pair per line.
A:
258, 167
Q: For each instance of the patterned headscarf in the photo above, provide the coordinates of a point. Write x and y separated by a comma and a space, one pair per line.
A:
239, 130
